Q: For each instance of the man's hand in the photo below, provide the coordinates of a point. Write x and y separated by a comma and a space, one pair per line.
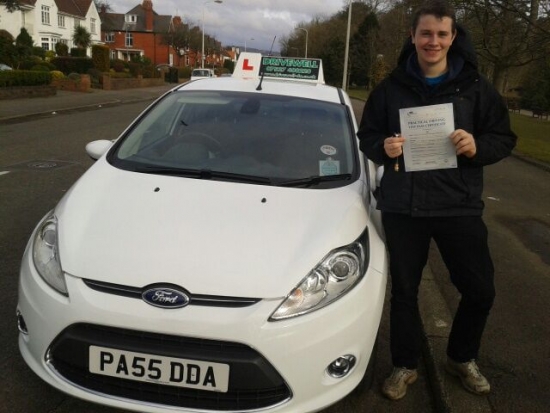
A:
394, 146
464, 143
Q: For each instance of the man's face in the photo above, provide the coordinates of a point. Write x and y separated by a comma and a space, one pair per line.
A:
432, 39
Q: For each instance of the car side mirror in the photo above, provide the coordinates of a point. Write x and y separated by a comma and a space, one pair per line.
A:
97, 149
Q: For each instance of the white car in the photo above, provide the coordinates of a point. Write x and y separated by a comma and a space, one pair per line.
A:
221, 255
202, 74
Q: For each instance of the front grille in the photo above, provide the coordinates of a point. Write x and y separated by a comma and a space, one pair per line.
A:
253, 382
194, 299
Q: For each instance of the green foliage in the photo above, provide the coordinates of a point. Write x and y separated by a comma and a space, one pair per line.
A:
532, 136
77, 52
229, 65
61, 49
118, 66
41, 68
100, 57
82, 38
56, 74
8, 50
536, 91
38, 51
184, 72
74, 76
24, 39
10, 78
12, 5
73, 64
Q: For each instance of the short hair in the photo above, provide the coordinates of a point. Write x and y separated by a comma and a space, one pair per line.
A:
437, 8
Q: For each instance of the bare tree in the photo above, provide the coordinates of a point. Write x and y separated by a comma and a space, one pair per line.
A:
506, 34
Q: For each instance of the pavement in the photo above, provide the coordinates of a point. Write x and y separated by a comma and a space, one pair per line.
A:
449, 396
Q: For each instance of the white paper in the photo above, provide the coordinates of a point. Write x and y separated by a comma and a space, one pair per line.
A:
426, 130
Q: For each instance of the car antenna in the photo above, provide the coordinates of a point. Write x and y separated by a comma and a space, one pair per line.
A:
263, 73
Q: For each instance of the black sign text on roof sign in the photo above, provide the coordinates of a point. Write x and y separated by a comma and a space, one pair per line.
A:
291, 68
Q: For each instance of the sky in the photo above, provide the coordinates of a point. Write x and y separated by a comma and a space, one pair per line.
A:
250, 23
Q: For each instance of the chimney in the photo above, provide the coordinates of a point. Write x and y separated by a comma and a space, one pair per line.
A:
148, 7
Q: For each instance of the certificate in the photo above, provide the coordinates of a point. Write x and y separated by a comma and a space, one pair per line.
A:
426, 130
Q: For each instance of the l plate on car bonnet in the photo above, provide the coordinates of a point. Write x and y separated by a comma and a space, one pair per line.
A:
165, 297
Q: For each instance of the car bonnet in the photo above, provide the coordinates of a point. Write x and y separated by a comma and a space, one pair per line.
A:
209, 237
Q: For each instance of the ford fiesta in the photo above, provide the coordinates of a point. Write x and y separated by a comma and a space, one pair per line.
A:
223, 254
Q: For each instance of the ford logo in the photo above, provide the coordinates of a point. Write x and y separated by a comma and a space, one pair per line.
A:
165, 297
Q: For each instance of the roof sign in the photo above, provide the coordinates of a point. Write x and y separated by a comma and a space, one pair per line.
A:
254, 65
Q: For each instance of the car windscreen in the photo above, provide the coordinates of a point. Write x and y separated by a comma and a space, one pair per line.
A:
216, 134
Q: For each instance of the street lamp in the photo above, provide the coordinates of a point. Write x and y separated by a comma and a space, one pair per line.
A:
345, 77
203, 7
245, 43
305, 30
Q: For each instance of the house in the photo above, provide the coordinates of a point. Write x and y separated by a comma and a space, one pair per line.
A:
139, 32
52, 21
143, 32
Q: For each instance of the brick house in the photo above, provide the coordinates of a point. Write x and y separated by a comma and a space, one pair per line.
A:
142, 32
52, 21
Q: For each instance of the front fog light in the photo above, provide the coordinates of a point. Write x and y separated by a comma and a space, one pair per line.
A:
341, 366
21, 325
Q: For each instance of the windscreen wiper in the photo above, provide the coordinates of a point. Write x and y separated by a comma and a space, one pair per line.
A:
314, 180
203, 174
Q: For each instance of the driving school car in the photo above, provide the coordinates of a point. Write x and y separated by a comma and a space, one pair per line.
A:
221, 255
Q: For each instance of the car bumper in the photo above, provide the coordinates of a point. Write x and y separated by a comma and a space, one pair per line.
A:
298, 349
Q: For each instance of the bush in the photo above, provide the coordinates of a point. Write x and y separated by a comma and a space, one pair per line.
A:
61, 49
38, 51
100, 57
73, 64
74, 76
184, 72
77, 52
118, 65
56, 74
24, 78
40, 68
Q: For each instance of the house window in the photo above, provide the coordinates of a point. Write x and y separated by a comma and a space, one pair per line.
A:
45, 15
109, 37
76, 23
131, 18
129, 39
45, 43
92, 26
60, 20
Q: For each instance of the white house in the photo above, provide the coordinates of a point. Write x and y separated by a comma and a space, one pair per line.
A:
51, 21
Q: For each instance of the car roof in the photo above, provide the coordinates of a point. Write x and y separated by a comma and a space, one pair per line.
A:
281, 76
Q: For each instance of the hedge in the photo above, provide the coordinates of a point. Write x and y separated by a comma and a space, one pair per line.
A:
24, 78
73, 64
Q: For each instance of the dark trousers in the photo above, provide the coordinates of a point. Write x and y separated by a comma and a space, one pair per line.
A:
462, 242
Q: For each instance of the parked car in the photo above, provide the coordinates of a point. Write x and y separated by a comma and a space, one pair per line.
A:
202, 74
222, 254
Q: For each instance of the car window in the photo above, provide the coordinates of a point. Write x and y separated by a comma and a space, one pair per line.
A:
269, 136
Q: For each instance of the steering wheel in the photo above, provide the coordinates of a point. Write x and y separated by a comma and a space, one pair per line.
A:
210, 142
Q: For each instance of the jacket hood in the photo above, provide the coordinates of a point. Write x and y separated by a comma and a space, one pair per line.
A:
462, 47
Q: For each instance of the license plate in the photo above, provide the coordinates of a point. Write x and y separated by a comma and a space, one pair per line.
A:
159, 369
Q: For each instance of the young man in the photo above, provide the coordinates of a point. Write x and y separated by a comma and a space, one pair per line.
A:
438, 65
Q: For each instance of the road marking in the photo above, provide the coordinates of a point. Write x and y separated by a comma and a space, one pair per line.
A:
4, 172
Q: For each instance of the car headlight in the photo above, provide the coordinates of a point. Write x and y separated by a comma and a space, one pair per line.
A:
45, 254
334, 276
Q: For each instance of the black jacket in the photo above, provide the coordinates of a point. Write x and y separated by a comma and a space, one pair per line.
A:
478, 109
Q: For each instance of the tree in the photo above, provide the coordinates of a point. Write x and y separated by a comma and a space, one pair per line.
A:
507, 34
362, 50
12, 5
7, 48
82, 37
103, 6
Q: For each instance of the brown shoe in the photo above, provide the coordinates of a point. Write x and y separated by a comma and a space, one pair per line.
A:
469, 375
395, 386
